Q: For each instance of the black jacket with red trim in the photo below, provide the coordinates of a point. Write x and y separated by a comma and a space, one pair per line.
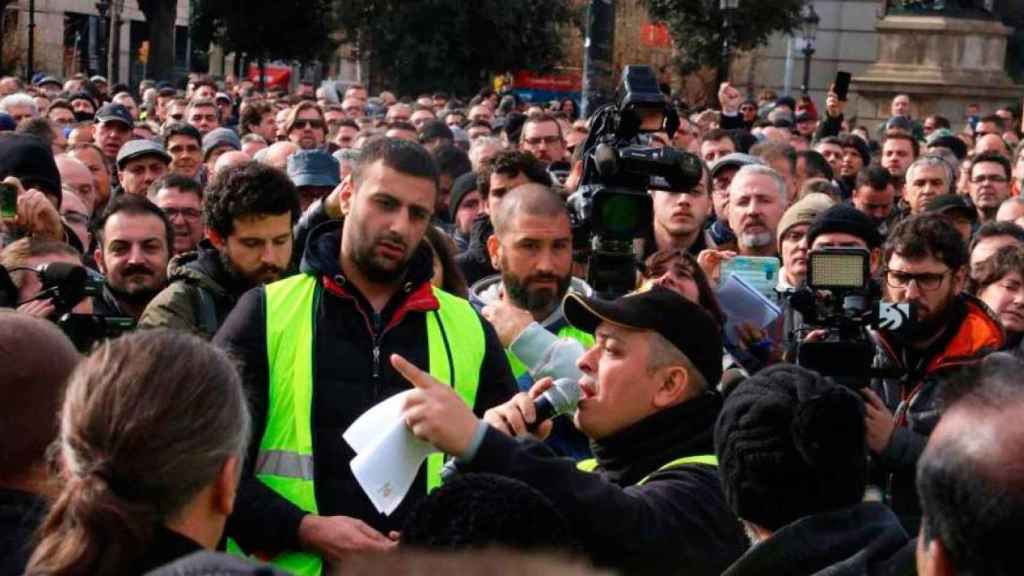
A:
915, 398
345, 386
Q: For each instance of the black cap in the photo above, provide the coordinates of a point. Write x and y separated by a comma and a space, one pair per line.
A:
686, 325
848, 220
30, 161
115, 113
463, 185
951, 203
83, 96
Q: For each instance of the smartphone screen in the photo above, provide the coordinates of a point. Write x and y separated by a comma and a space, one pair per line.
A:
8, 201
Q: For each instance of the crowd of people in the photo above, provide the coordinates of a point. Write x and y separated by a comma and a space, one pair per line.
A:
208, 284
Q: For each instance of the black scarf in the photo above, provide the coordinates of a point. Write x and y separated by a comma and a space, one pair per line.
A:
686, 429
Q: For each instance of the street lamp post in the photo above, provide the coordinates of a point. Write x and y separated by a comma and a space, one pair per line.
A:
728, 9
809, 32
101, 45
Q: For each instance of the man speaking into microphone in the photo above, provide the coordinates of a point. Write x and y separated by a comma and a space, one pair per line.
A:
651, 502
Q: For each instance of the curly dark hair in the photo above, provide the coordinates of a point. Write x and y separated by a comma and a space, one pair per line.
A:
925, 235
512, 163
250, 188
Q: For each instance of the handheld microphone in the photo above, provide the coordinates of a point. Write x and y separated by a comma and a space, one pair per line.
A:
561, 398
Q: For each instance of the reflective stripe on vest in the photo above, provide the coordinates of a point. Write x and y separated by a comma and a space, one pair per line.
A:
590, 464
285, 459
584, 338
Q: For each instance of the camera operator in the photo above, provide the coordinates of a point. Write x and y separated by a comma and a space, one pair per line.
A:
653, 504
22, 258
532, 249
925, 265
134, 239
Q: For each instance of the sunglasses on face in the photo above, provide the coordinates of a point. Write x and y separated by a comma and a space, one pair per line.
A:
308, 123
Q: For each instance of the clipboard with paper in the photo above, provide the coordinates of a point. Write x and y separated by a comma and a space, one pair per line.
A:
742, 303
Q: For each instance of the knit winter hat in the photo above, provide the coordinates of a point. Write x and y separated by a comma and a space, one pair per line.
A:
847, 219
790, 443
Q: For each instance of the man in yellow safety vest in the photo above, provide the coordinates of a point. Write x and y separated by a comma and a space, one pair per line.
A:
313, 350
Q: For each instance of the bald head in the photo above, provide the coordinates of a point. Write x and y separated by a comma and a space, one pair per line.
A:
37, 359
231, 159
277, 155
971, 478
528, 199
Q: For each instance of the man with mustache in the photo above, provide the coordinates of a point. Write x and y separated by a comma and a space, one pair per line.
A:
249, 211
926, 265
134, 239
314, 352
532, 250
757, 200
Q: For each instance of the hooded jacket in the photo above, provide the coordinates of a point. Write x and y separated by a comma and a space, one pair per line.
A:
859, 540
199, 296
914, 398
475, 262
545, 355
346, 383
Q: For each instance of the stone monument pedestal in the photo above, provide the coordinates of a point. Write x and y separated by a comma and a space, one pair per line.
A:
943, 63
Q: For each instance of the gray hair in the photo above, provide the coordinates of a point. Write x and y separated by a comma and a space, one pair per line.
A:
932, 160
18, 99
759, 170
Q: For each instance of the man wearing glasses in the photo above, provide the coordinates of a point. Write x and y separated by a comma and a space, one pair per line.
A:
542, 137
926, 266
989, 184
180, 197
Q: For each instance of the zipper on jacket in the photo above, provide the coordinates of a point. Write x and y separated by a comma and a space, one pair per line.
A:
378, 335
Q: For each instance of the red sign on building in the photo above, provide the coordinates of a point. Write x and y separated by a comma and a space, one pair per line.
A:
655, 35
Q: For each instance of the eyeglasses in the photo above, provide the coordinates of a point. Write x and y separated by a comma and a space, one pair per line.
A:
186, 213
993, 178
308, 123
547, 140
927, 281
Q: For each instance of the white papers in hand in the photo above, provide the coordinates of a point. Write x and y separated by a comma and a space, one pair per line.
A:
742, 303
388, 456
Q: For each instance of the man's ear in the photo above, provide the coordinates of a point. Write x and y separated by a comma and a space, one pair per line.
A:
494, 251
960, 279
674, 385
226, 486
875, 260
215, 238
97, 256
348, 190
932, 558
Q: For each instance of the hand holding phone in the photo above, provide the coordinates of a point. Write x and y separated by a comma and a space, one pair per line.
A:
8, 201
841, 86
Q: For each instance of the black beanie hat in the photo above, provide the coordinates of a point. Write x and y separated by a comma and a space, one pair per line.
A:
790, 443
847, 219
29, 160
463, 185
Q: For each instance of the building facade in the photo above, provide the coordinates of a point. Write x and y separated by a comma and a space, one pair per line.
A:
70, 37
